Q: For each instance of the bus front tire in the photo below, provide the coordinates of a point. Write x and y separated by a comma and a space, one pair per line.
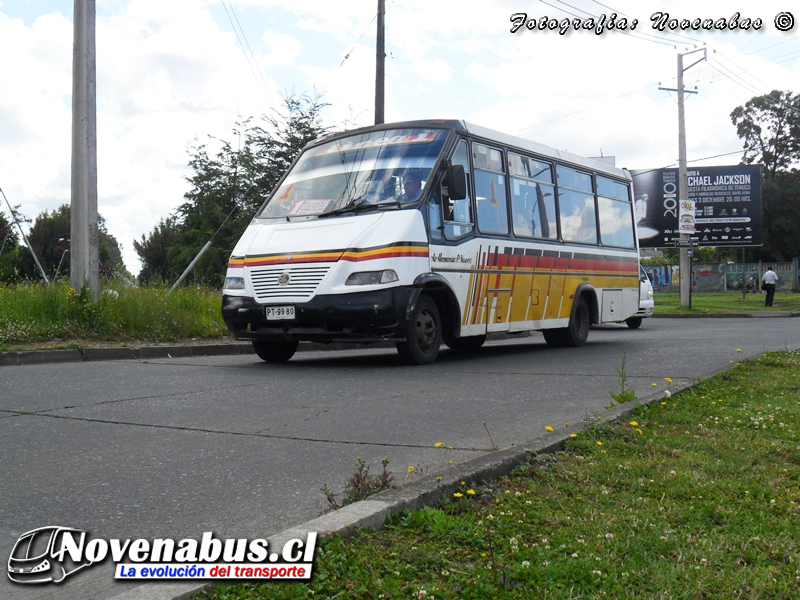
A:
275, 352
467, 344
634, 322
424, 335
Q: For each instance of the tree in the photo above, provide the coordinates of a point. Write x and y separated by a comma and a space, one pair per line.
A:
10, 250
227, 188
154, 252
49, 236
770, 128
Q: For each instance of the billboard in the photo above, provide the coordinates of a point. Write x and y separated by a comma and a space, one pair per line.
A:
727, 206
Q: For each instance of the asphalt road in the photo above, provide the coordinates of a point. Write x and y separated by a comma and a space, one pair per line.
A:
176, 447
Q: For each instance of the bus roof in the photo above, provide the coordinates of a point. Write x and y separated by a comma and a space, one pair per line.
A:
496, 136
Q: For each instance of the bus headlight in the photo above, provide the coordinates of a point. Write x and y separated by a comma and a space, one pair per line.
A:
649, 293
372, 277
234, 283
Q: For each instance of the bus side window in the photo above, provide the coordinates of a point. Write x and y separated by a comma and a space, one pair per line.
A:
490, 189
458, 220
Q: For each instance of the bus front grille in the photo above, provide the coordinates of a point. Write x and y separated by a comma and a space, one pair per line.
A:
286, 283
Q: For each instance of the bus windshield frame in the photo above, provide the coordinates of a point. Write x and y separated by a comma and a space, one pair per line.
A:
366, 169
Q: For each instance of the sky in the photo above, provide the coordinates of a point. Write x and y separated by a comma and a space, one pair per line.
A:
174, 74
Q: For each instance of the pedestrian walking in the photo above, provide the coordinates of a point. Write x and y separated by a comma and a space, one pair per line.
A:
769, 280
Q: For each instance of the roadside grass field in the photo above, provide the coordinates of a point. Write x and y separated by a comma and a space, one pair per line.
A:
694, 496
60, 317
36, 313
723, 302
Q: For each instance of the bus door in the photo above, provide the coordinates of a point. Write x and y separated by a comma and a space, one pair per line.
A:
492, 211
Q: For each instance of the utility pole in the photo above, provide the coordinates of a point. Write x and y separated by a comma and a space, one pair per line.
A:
84, 262
685, 263
380, 60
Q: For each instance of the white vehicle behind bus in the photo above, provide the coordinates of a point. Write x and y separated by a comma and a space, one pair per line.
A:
646, 301
431, 232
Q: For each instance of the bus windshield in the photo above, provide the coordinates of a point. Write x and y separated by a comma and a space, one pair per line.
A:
386, 168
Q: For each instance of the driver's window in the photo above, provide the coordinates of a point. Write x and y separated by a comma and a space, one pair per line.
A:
458, 220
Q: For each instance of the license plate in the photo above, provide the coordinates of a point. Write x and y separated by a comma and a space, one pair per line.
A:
279, 313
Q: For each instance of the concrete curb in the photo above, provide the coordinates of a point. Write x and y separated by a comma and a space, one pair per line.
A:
755, 314
38, 357
425, 492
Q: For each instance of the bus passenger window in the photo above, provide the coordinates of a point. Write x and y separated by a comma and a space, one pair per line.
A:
533, 204
614, 206
577, 206
490, 189
490, 195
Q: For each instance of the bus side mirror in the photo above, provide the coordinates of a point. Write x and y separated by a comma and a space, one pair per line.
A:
455, 183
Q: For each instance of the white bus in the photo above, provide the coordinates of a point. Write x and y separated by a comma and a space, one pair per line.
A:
433, 231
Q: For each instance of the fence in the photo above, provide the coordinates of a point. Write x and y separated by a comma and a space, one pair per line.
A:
722, 277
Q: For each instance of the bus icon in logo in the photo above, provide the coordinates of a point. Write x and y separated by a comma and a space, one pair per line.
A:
39, 555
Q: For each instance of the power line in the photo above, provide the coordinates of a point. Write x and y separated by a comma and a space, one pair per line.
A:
245, 46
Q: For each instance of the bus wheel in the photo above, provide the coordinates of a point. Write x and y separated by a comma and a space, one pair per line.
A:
577, 332
424, 335
553, 337
275, 352
634, 322
469, 343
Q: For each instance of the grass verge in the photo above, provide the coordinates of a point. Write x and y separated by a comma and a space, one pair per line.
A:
668, 303
34, 313
696, 496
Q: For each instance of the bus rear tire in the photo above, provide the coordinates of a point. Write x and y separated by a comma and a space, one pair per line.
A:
634, 322
467, 344
275, 352
577, 332
424, 335
553, 337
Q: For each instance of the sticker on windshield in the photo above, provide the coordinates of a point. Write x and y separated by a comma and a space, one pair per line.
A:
312, 206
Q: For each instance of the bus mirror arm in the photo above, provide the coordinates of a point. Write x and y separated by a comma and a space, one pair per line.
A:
454, 185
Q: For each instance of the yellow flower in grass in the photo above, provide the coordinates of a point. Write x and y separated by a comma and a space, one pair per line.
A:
438, 479
599, 443
738, 349
655, 384
640, 432
549, 428
438, 444
410, 469
470, 492
668, 379
573, 435
633, 424
458, 495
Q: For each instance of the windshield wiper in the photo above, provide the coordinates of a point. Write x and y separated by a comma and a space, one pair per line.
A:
355, 206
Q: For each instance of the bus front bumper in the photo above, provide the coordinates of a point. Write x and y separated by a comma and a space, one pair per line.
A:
365, 317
